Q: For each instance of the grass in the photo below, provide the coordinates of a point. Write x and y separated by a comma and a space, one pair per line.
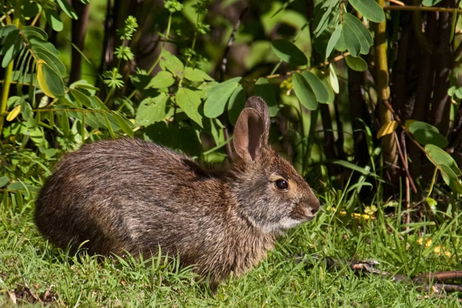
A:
296, 274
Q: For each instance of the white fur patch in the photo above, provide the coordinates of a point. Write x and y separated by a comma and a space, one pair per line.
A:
283, 224
287, 223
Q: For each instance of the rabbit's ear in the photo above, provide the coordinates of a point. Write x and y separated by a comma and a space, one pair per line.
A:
251, 130
257, 103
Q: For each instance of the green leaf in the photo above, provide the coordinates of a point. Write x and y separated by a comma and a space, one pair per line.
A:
29, 9
123, 124
369, 9
430, 2
347, 164
171, 63
333, 40
51, 59
451, 179
81, 98
431, 202
63, 120
330, 92
49, 80
304, 92
352, 43
90, 119
341, 44
17, 186
356, 37
54, 20
34, 32
67, 9
442, 160
323, 15
218, 96
266, 90
288, 52
189, 101
363, 33
236, 103
105, 122
426, 133
319, 89
458, 93
151, 110
13, 101
27, 114
333, 80
453, 90
162, 80
11, 47
196, 75
5, 30
356, 63
83, 84
4, 180
174, 136
36, 42
97, 103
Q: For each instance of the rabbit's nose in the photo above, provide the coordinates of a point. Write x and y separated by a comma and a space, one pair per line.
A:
314, 204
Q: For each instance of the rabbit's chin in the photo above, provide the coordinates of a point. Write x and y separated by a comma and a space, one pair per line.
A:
283, 225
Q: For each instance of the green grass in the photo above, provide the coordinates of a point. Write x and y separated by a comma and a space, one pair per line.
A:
295, 274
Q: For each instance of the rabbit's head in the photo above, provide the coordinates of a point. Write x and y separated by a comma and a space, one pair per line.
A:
271, 195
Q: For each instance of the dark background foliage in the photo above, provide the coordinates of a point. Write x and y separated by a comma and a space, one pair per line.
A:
359, 91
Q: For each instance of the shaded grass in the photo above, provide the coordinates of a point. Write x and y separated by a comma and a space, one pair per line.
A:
295, 274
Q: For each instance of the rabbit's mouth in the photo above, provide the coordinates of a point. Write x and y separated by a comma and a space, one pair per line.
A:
303, 213
299, 215
310, 213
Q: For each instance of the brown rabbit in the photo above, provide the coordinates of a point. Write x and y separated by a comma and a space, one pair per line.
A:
133, 196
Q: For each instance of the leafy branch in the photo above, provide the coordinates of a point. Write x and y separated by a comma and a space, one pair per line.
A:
422, 8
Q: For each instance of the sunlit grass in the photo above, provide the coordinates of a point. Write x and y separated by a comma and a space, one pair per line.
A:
308, 268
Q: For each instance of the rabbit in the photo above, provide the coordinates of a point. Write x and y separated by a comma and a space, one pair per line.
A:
133, 196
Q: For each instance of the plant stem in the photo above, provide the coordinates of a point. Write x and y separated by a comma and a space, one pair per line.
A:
167, 35
383, 91
6, 86
111, 91
276, 68
5, 94
432, 184
422, 8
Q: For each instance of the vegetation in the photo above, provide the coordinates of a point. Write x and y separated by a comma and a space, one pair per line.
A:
299, 273
364, 98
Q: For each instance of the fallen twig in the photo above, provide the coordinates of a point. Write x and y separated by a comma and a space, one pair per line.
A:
442, 287
424, 281
439, 276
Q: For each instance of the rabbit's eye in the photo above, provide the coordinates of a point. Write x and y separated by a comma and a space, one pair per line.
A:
282, 184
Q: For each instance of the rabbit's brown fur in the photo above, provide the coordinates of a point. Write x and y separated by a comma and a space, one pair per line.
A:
133, 196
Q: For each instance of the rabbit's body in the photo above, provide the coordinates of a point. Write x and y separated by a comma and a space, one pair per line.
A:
133, 196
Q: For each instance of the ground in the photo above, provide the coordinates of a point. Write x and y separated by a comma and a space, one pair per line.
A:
310, 267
